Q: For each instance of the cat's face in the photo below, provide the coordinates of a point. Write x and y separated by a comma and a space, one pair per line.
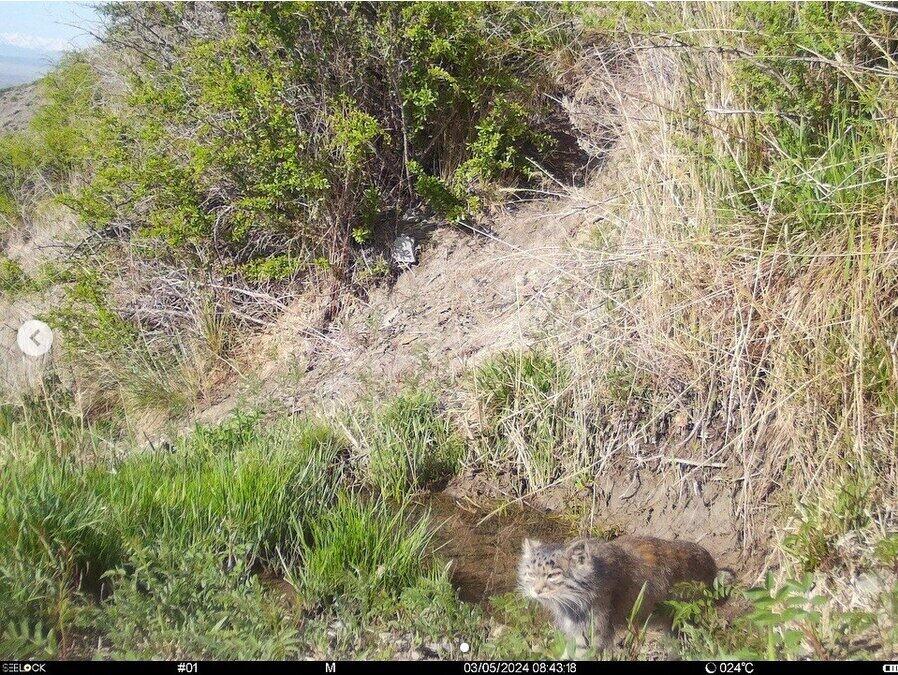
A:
553, 573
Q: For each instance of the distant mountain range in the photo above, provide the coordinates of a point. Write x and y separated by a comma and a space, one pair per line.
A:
19, 65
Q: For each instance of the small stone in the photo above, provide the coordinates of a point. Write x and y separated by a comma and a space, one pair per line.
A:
404, 250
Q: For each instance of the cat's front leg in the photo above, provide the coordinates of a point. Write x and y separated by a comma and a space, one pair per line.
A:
602, 632
575, 631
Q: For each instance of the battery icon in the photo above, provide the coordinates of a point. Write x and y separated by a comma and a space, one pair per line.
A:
890, 667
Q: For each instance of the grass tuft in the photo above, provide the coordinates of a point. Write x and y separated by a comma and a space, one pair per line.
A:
410, 443
525, 414
360, 549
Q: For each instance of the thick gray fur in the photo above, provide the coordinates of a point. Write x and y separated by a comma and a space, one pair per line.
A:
591, 586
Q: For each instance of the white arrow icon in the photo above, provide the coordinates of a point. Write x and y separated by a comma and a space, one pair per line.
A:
34, 338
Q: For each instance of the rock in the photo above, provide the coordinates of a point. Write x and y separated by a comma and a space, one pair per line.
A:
868, 587
404, 250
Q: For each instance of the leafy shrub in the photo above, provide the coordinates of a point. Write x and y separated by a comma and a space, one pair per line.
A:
778, 624
886, 549
822, 520
57, 140
63, 126
13, 279
787, 620
19, 159
23, 640
787, 615
325, 115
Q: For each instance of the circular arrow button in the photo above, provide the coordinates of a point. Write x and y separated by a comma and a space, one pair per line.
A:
34, 338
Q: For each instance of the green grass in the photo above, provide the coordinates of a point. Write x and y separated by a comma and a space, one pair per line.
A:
772, 344
524, 414
66, 520
826, 515
117, 367
174, 602
411, 443
788, 620
886, 549
13, 279
165, 552
362, 548
177, 553
258, 490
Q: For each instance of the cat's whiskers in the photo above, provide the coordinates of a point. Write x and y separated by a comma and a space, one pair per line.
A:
592, 587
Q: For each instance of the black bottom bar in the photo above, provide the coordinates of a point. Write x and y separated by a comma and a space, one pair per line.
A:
448, 667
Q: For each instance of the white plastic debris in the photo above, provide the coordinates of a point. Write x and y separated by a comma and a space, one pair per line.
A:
403, 250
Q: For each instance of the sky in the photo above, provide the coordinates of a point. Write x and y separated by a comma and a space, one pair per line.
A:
33, 35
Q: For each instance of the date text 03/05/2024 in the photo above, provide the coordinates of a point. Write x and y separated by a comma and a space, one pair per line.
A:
511, 667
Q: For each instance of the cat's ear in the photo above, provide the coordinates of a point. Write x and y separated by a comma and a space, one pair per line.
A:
577, 553
528, 546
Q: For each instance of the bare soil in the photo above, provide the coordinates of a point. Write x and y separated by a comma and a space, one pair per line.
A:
17, 106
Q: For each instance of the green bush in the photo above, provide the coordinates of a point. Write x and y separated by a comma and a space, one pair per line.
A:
821, 520
58, 139
322, 114
64, 125
19, 159
788, 620
13, 279
886, 549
